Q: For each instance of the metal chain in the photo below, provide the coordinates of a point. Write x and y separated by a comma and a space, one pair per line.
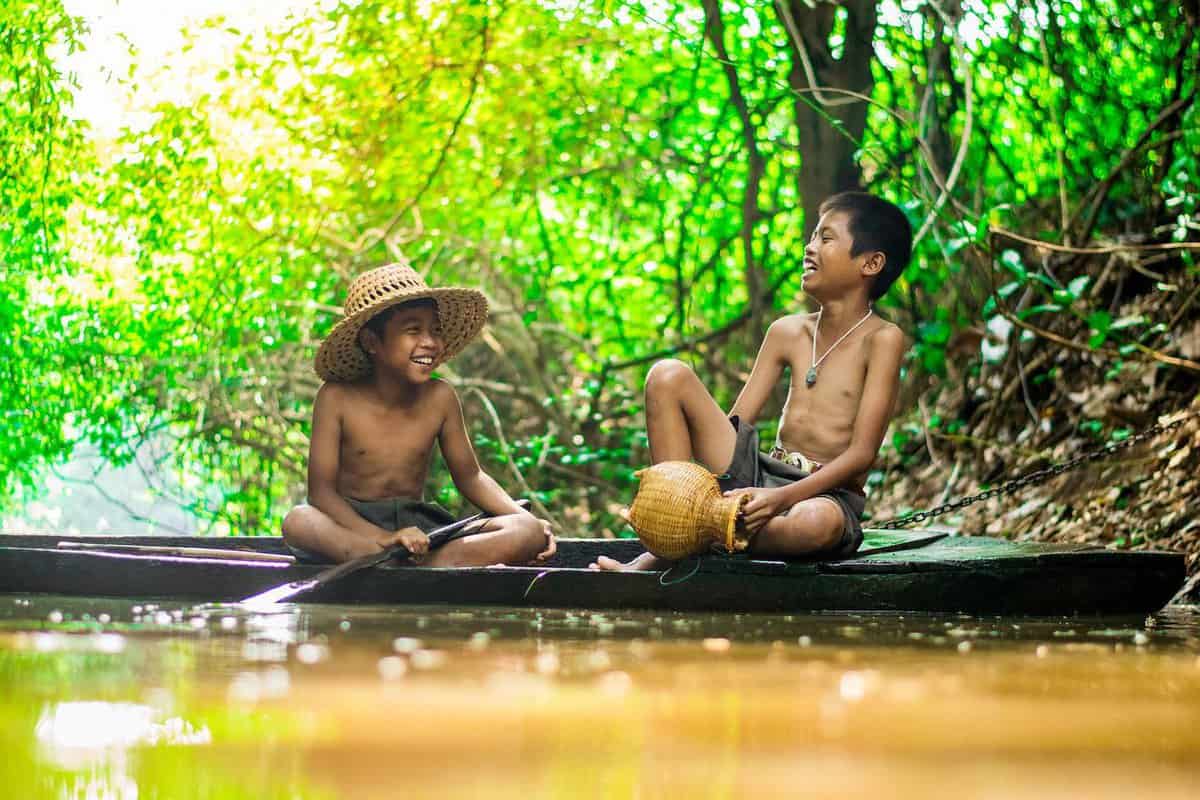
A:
1031, 478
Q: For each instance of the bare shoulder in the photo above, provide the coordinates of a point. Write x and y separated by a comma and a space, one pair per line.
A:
886, 339
441, 397
792, 326
344, 398
332, 396
438, 391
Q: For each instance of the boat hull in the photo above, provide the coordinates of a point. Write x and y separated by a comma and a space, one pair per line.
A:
957, 574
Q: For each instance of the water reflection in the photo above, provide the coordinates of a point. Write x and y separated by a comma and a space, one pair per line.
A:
74, 733
267, 636
354, 702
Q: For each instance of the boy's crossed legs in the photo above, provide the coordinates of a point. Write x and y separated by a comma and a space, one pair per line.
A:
684, 423
509, 539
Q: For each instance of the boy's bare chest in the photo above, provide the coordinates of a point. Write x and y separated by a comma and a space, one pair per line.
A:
833, 379
387, 433
818, 418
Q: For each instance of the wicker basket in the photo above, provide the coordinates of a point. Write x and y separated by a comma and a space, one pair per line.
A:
679, 512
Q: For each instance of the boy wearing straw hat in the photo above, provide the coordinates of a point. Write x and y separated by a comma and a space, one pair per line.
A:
805, 496
375, 422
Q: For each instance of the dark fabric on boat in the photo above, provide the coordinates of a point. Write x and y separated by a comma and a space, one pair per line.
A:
753, 468
391, 514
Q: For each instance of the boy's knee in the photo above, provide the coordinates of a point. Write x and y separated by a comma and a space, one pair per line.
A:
529, 539
812, 526
822, 524
668, 373
296, 522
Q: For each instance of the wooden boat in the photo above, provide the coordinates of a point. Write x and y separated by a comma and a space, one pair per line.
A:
923, 571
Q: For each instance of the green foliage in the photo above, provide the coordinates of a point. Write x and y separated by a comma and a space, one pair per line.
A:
586, 165
1058, 97
43, 159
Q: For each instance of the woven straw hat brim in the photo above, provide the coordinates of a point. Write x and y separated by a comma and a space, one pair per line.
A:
462, 313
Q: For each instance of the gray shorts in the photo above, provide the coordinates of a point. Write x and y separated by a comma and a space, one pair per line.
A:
391, 514
752, 468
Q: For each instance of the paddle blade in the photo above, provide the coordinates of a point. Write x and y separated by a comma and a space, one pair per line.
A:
264, 601
281, 594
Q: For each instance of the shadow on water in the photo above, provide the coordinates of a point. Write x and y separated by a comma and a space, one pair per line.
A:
109, 698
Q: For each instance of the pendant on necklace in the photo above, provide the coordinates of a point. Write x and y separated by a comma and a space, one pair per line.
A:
810, 378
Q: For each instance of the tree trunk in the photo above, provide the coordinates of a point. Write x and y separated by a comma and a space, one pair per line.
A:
756, 279
827, 153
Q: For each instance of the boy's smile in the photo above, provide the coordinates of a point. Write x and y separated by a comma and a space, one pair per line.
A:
828, 265
377, 420
410, 345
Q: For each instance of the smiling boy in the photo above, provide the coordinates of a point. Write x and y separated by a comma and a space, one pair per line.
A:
375, 422
806, 495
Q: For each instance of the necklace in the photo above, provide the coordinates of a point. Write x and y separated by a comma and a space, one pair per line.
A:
810, 378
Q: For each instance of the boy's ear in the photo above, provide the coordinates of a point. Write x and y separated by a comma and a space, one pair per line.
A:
368, 340
873, 263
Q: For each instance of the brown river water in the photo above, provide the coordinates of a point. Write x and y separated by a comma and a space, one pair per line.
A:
114, 699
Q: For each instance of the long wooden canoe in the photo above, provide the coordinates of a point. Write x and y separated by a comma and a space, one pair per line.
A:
920, 571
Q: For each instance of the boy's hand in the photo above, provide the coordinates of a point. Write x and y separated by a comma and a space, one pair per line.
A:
551, 544
525, 518
761, 507
414, 540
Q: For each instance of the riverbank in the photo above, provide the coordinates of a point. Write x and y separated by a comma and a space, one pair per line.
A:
1140, 499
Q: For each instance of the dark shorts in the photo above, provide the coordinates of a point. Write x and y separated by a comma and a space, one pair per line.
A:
752, 468
391, 514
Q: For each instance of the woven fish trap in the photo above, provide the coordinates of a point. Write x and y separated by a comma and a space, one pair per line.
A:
679, 512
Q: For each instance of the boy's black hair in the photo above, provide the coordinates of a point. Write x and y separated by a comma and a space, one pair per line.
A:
378, 322
875, 224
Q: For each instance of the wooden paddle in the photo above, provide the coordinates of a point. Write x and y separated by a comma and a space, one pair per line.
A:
437, 538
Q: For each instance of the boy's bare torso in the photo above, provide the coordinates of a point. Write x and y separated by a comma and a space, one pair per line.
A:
385, 449
818, 420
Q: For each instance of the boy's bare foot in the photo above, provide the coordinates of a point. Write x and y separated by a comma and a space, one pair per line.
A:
646, 561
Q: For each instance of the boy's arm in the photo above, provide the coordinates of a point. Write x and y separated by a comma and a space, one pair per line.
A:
768, 367
473, 483
880, 389
324, 449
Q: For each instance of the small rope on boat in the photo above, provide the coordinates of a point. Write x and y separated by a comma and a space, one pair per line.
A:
536, 578
662, 579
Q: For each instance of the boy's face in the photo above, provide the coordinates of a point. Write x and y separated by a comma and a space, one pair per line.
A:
410, 345
829, 269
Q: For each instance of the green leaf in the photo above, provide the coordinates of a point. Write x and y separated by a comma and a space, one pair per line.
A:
954, 245
1011, 260
1099, 322
1127, 322
1039, 309
935, 332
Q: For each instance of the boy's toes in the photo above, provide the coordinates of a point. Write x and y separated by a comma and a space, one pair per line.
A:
606, 563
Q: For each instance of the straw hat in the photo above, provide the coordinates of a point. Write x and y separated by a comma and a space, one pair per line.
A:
679, 511
461, 315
